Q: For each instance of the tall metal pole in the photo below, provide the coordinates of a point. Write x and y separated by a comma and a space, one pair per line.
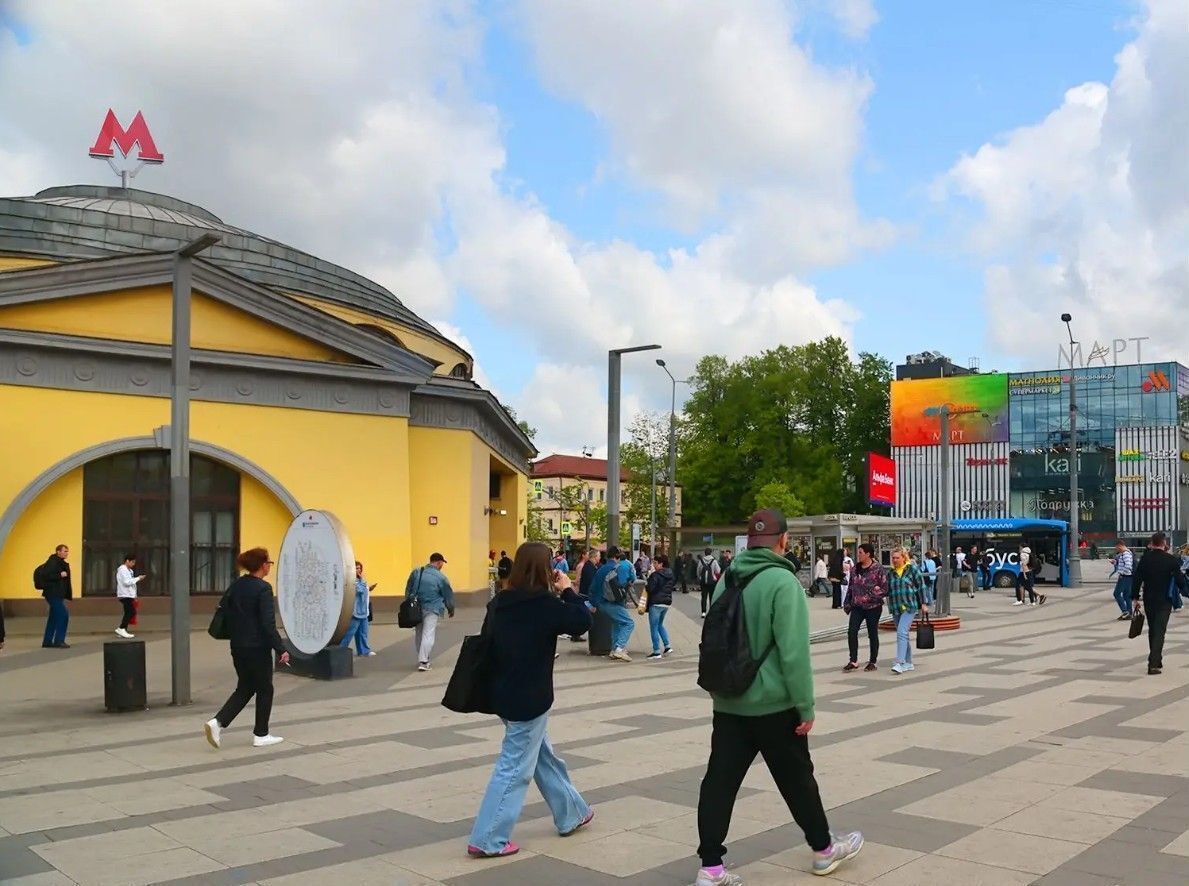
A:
946, 576
652, 517
179, 470
1075, 554
613, 382
672, 452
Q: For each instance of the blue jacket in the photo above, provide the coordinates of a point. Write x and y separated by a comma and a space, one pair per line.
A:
625, 574
361, 595
430, 585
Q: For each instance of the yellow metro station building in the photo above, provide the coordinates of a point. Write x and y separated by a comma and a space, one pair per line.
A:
311, 387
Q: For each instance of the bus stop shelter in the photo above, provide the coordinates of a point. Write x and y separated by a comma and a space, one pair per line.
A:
823, 533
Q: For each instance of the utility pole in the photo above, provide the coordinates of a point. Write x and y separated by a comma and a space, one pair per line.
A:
1075, 553
652, 517
672, 450
179, 468
945, 577
614, 359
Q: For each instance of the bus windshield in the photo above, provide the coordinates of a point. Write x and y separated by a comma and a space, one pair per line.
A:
1000, 542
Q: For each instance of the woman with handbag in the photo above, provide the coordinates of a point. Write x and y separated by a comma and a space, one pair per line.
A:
906, 597
523, 623
657, 600
864, 603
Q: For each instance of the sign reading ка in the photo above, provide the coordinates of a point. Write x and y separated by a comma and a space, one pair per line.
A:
112, 135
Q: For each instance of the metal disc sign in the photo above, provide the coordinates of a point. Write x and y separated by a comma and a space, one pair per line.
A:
315, 581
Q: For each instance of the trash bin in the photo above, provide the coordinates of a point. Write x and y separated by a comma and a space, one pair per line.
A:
124, 687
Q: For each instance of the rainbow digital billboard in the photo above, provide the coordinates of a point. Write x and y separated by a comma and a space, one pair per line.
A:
978, 410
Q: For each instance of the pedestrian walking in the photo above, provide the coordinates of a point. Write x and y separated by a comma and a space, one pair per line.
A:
928, 569
660, 597
52, 578
126, 583
709, 573
821, 581
971, 565
1158, 579
359, 628
503, 569
984, 570
523, 623
681, 571
906, 598
837, 576
1026, 580
429, 585
1123, 566
611, 594
864, 605
773, 715
252, 625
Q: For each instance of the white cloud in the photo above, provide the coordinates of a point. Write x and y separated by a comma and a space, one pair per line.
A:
855, 17
1087, 211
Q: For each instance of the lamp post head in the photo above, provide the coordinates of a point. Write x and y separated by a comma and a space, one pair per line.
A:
1066, 318
660, 362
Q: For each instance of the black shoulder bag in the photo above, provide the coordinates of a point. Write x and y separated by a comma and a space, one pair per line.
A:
409, 615
469, 689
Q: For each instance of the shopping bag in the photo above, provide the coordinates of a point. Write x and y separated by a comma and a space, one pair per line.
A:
925, 637
1137, 625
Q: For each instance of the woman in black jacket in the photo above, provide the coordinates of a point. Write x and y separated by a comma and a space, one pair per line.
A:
252, 623
524, 623
660, 597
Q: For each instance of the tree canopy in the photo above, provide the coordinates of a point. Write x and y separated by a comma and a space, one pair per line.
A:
787, 428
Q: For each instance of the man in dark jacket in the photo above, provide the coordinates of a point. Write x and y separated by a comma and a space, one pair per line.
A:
1157, 577
54, 580
504, 568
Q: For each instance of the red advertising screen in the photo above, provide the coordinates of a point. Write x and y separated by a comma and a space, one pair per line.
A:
881, 480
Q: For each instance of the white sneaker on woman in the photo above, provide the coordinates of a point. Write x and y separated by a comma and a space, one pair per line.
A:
214, 732
266, 741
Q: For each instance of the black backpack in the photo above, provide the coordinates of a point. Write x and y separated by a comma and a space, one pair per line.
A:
726, 666
706, 572
39, 577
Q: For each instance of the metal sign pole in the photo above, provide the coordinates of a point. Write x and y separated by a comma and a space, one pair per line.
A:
945, 577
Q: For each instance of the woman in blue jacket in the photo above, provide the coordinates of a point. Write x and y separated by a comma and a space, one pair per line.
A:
524, 622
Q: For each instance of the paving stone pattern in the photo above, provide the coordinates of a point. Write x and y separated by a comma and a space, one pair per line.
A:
1029, 748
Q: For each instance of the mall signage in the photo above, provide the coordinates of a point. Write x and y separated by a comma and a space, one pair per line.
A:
986, 462
1156, 381
881, 480
1104, 355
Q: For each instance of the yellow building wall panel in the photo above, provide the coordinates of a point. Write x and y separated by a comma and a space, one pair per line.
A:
54, 518
263, 520
144, 314
16, 263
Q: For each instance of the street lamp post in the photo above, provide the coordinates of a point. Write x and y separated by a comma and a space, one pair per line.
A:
614, 359
672, 444
945, 576
179, 468
1075, 554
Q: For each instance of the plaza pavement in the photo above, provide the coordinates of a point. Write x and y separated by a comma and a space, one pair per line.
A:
1029, 747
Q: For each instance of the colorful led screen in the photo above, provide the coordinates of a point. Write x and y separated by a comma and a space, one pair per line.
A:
978, 410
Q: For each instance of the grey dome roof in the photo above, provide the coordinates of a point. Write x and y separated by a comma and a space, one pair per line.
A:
93, 221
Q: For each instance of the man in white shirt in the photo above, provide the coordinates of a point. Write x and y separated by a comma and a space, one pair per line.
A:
126, 584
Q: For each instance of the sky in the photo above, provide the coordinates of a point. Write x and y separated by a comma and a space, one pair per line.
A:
547, 179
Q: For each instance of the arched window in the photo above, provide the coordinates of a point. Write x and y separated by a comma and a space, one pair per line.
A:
461, 371
126, 510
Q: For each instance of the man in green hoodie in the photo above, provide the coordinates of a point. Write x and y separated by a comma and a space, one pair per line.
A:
774, 716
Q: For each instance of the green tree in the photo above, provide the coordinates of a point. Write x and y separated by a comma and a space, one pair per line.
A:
778, 495
534, 523
529, 430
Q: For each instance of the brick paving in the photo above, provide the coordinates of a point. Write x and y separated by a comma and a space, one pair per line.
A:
1029, 748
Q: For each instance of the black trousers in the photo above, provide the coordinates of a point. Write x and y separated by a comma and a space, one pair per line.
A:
857, 617
254, 669
1157, 627
837, 588
1026, 582
129, 611
707, 593
733, 747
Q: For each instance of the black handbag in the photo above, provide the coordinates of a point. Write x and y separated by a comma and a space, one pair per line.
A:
410, 615
469, 689
218, 627
925, 637
1137, 625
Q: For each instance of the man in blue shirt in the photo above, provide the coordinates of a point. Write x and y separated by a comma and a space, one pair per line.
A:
622, 622
431, 587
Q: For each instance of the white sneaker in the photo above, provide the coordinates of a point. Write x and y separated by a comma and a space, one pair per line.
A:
214, 732
620, 655
844, 847
120, 632
423, 666
726, 879
370, 654
266, 741
1018, 603
1033, 603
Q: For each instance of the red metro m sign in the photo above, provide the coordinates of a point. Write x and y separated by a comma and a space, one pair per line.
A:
112, 135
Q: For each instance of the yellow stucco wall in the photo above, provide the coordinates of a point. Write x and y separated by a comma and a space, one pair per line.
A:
418, 342
263, 520
54, 518
144, 315
14, 263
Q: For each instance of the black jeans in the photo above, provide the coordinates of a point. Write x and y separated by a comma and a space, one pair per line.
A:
254, 669
733, 747
836, 586
707, 592
1157, 626
129, 611
1025, 582
857, 617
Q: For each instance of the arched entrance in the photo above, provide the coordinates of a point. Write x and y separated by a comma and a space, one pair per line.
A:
126, 510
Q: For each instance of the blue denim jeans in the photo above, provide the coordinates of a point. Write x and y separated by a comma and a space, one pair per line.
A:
358, 630
904, 637
1123, 593
928, 587
56, 622
526, 755
622, 624
656, 626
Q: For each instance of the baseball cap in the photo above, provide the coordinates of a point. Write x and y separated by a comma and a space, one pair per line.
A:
765, 528
435, 557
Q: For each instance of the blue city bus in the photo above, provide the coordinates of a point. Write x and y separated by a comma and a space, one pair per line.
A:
1003, 538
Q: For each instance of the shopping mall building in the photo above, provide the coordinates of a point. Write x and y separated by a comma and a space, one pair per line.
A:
1010, 447
311, 387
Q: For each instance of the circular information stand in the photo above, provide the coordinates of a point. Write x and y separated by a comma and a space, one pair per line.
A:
315, 581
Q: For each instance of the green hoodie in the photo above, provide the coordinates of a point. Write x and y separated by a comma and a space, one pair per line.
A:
774, 607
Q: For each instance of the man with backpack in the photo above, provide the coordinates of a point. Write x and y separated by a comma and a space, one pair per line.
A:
709, 573
52, 578
610, 594
756, 665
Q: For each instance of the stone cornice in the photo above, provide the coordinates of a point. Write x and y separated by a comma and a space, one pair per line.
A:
445, 403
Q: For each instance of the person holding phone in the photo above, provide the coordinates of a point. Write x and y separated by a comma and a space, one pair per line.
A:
358, 631
252, 623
